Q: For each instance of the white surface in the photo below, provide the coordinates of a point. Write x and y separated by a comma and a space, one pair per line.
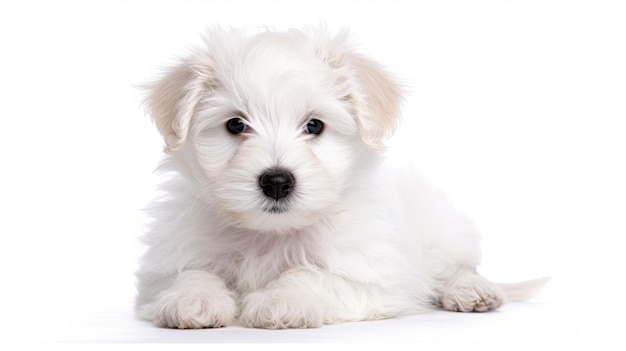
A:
527, 323
516, 108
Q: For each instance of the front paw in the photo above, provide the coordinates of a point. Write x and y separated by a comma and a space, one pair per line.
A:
276, 309
196, 299
191, 311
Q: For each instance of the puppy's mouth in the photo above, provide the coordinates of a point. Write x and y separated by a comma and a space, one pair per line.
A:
276, 208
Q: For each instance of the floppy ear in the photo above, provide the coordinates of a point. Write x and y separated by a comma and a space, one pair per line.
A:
371, 93
377, 101
172, 100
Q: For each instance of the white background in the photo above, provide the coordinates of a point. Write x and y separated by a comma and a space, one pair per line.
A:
517, 109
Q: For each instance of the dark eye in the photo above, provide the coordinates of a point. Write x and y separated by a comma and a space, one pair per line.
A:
236, 126
314, 126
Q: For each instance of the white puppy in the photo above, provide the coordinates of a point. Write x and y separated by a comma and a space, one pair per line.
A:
280, 211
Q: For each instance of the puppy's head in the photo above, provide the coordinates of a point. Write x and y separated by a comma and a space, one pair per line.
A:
277, 124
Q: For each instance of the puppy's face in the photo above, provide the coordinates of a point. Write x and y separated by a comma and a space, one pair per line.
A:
275, 143
275, 124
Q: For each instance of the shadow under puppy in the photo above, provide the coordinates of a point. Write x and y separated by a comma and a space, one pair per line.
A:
280, 210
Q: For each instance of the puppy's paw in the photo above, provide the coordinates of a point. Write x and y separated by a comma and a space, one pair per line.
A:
471, 293
275, 309
195, 300
191, 311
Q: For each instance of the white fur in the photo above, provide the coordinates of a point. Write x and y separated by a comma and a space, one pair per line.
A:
360, 238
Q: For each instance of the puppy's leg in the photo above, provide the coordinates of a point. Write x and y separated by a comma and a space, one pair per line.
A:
468, 291
302, 298
196, 299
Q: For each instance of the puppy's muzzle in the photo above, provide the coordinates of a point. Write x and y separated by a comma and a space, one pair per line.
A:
276, 184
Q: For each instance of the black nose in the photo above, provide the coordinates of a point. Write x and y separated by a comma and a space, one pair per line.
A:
276, 184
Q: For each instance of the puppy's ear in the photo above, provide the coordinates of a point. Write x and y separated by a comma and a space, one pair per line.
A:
368, 89
377, 100
171, 101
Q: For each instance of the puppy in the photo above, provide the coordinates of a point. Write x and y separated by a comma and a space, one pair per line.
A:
280, 210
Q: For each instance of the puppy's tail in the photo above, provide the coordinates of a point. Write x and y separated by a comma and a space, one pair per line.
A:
522, 291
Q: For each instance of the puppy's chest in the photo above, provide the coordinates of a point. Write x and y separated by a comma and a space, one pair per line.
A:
257, 261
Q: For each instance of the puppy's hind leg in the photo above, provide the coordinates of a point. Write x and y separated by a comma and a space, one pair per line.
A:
468, 291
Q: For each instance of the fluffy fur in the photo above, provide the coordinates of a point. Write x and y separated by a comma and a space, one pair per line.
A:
356, 239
